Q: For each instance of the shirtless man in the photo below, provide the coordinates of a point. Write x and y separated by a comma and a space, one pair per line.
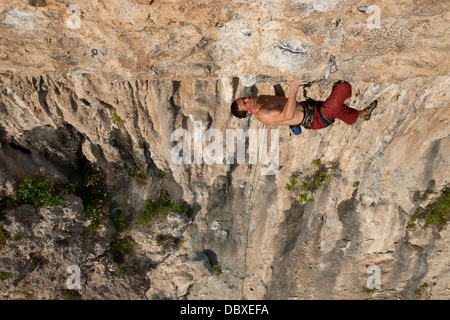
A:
279, 110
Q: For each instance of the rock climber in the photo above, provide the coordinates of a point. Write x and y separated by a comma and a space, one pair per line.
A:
279, 110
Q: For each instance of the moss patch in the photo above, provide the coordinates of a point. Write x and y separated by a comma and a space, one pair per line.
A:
436, 213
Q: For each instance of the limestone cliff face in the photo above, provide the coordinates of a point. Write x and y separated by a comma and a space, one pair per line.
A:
107, 84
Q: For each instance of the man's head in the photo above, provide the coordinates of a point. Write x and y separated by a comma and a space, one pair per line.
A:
243, 107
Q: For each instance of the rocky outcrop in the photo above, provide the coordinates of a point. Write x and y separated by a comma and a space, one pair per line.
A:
109, 93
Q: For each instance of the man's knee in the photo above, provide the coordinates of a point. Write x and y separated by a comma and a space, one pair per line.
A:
341, 83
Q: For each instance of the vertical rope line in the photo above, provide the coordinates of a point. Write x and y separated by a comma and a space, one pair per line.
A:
250, 202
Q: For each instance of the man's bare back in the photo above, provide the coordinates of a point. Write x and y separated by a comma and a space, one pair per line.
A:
277, 103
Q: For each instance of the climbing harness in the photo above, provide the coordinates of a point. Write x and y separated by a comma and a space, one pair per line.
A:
325, 120
308, 118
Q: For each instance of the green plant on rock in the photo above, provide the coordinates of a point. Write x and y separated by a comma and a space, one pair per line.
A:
217, 270
292, 183
124, 270
369, 290
40, 192
413, 219
317, 180
139, 175
152, 210
115, 117
94, 193
421, 289
121, 247
118, 220
436, 213
5, 275
439, 210
159, 208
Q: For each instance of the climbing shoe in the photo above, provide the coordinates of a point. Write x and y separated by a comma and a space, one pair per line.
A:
369, 109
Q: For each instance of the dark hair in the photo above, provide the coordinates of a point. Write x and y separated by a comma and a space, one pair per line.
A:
236, 112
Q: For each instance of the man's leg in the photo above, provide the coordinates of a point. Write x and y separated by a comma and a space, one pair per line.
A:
362, 113
332, 107
349, 115
341, 91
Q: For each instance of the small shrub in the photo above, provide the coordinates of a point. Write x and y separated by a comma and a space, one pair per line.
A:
291, 184
152, 210
115, 117
317, 162
40, 192
121, 246
139, 175
439, 210
436, 213
414, 217
160, 208
217, 270
95, 196
5, 275
421, 289
318, 179
178, 207
368, 290
118, 220
123, 270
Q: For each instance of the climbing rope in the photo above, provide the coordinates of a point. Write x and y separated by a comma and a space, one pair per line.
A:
250, 200
250, 197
